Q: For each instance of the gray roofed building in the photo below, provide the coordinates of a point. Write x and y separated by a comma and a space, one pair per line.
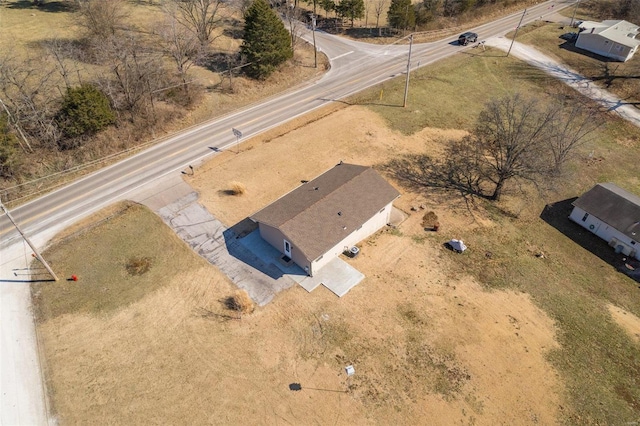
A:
614, 39
611, 213
613, 205
338, 208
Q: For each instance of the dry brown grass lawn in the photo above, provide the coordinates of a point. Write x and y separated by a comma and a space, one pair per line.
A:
428, 344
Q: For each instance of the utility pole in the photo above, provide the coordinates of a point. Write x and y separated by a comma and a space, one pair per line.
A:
574, 13
35, 251
516, 33
406, 85
313, 33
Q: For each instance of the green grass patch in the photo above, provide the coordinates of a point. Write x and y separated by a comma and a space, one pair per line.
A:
451, 93
117, 262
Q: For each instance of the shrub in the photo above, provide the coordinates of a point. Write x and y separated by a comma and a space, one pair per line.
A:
240, 302
430, 220
138, 265
85, 110
237, 188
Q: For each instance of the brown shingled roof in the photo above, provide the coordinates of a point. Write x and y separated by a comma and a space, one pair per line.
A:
319, 214
614, 206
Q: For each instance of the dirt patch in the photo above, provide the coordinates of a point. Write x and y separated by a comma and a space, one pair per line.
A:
629, 322
273, 164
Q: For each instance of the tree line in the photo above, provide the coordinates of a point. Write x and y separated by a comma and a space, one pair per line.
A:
53, 102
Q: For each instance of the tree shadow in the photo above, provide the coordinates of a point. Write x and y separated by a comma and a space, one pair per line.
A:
557, 215
48, 6
233, 28
419, 171
369, 33
445, 184
609, 76
221, 62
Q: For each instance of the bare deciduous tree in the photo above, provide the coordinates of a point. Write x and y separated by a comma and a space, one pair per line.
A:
293, 16
379, 7
103, 18
64, 54
574, 127
201, 17
136, 73
180, 44
515, 140
28, 91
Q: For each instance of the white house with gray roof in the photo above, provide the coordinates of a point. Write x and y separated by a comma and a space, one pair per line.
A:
317, 221
613, 39
613, 214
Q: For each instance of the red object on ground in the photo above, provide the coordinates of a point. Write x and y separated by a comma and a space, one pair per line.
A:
74, 277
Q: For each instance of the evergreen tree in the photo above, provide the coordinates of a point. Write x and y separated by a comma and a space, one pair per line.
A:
401, 15
351, 9
267, 43
85, 110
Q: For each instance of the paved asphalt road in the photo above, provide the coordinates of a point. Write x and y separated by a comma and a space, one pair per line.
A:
354, 67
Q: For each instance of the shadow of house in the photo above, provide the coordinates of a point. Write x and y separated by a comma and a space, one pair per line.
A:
557, 215
238, 250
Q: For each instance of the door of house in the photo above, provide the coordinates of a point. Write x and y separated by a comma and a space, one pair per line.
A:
287, 248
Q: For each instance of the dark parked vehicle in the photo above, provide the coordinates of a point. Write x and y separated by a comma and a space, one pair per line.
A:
467, 38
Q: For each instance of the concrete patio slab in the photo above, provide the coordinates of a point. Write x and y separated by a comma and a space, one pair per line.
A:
337, 275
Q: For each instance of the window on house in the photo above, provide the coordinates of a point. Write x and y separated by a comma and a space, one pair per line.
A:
584, 218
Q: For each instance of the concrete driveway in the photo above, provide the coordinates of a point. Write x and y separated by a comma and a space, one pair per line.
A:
247, 260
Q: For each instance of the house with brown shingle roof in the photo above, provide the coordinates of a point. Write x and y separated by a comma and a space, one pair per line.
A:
317, 221
611, 213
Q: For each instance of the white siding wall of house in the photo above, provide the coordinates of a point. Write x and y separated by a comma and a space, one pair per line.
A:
602, 46
378, 221
616, 239
276, 238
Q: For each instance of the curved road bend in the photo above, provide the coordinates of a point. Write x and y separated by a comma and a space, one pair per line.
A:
355, 66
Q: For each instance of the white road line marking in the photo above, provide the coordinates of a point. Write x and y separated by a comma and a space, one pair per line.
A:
344, 54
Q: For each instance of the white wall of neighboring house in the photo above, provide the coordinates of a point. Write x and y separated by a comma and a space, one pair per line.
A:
602, 46
378, 221
616, 239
